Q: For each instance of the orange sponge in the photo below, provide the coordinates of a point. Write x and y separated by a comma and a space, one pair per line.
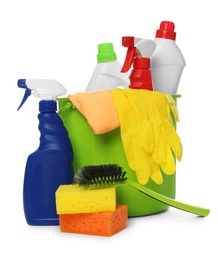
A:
99, 223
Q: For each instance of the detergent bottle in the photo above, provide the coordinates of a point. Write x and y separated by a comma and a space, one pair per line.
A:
107, 73
167, 61
138, 54
51, 164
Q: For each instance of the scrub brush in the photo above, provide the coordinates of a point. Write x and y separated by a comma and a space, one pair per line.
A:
99, 176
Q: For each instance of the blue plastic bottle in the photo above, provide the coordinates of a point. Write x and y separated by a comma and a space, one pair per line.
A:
51, 164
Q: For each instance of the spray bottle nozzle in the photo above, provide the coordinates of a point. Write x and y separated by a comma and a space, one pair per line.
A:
46, 89
138, 55
129, 41
21, 83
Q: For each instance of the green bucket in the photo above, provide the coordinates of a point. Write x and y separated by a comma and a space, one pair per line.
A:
92, 149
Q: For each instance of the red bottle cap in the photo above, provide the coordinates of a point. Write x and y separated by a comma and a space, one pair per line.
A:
140, 77
166, 31
141, 63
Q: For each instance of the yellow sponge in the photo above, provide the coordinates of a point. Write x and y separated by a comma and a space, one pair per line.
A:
71, 199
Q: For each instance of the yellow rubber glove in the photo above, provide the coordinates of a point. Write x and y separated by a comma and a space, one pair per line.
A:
163, 104
161, 151
146, 133
158, 109
172, 104
133, 137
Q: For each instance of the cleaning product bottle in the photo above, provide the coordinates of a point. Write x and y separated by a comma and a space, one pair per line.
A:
107, 73
138, 54
167, 61
51, 164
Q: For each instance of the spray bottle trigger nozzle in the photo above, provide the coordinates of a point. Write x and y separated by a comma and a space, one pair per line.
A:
22, 84
128, 41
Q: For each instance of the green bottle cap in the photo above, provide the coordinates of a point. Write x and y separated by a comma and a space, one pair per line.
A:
106, 53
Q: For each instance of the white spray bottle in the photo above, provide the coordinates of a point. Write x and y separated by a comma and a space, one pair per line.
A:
167, 61
107, 73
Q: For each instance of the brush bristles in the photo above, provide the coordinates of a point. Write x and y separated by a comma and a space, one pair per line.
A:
95, 176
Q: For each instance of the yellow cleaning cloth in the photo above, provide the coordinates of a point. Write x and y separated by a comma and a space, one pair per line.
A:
147, 132
98, 108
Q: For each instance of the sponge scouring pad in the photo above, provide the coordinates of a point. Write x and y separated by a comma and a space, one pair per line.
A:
100, 223
71, 199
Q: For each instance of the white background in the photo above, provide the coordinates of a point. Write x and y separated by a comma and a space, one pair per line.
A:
58, 40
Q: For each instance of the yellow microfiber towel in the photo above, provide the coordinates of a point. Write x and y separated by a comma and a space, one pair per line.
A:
147, 132
98, 108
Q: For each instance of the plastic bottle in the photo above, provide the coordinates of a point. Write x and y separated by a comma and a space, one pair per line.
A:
167, 61
107, 73
138, 54
51, 164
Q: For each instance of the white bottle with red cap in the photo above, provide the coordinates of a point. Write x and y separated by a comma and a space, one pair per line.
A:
167, 61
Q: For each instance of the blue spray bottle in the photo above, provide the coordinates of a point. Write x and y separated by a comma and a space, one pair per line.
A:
51, 164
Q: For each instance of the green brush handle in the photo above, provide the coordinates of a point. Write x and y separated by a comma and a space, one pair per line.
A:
171, 202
